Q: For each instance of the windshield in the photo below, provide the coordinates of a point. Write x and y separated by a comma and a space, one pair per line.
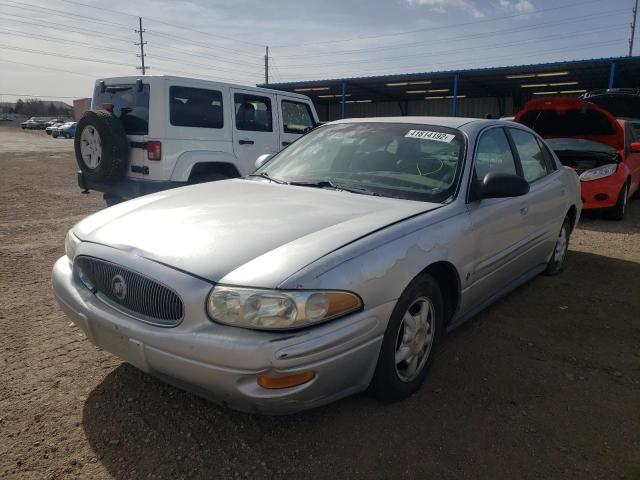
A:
400, 160
578, 145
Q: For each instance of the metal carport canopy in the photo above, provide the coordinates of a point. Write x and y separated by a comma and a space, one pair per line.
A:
520, 82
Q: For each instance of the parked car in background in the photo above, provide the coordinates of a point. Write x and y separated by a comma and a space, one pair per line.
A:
602, 149
53, 127
337, 265
68, 130
164, 132
34, 123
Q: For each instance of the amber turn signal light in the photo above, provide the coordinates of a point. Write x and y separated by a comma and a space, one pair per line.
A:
285, 382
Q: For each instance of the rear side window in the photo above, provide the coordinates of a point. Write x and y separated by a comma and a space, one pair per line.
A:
253, 113
534, 165
296, 117
129, 105
494, 154
548, 157
195, 107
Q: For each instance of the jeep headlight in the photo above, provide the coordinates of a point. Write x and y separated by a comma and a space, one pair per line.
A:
278, 309
71, 243
599, 172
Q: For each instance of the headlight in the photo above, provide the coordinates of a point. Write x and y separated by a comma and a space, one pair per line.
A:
600, 172
278, 309
71, 243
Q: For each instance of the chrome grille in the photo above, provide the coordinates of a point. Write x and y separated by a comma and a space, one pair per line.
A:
131, 292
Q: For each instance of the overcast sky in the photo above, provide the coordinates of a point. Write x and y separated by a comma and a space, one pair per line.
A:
308, 39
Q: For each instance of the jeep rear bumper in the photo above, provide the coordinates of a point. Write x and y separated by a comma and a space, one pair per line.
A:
127, 187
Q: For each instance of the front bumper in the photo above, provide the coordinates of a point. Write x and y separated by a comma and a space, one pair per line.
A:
221, 362
602, 193
126, 187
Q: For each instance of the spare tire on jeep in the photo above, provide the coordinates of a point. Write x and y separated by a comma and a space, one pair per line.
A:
101, 146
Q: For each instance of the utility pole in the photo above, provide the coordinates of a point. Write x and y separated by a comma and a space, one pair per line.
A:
142, 44
633, 29
266, 65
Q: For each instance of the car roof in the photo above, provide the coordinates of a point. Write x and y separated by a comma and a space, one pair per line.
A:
179, 79
451, 122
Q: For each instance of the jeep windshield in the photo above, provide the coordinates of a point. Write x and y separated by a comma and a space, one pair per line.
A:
399, 160
128, 103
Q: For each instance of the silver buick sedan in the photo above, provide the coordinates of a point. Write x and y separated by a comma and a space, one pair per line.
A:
336, 267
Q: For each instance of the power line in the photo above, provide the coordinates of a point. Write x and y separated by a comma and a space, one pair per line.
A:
430, 29
25, 95
64, 40
31, 6
203, 44
463, 49
42, 67
172, 24
573, 19
61, 55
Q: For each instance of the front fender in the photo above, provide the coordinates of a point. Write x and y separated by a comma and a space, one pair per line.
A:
187, 160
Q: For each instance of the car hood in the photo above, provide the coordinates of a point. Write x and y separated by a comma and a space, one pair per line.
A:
254, 232
572, 118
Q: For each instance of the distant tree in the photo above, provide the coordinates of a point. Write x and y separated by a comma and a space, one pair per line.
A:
19, 108
52, 110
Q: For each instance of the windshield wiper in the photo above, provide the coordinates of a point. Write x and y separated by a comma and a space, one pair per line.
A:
335, 186
268, 177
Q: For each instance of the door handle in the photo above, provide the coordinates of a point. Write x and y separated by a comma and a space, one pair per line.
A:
245, 142
286, 144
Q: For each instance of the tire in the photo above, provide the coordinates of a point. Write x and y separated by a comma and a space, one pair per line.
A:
396, 381
54, 134
101, 146
111, 200
617, 212
559, 255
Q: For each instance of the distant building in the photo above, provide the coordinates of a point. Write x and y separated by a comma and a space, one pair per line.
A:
80, 106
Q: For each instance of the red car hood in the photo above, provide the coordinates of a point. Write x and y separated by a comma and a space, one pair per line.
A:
572, 118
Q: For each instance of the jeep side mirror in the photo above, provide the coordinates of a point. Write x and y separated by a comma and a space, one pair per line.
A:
500, 185
262, 159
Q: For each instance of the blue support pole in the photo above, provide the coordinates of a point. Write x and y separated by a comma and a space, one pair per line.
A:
344, 99
454, 100
612, 74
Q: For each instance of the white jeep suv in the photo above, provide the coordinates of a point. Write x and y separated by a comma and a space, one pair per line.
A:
146, 134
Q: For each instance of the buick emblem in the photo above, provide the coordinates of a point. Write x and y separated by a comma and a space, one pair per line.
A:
119, 287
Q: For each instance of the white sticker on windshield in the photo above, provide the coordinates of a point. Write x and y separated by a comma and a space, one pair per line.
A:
428, 135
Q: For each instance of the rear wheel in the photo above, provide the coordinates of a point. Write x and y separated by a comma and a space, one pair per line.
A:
409, 342
556, 262
617, 212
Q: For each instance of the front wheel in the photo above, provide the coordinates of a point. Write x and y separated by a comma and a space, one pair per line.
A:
617, 212
409, 342
556, 262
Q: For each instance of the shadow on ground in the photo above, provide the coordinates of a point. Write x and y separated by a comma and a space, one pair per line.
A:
544, 384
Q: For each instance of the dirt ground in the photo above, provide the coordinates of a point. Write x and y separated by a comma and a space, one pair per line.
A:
545, 384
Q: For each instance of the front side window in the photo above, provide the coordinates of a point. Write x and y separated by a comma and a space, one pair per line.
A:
494, 154
399, 160
532, 159
296, 117
253, 113
128, 103
195, 107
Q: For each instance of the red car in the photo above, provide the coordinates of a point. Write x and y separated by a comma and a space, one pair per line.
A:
602, 149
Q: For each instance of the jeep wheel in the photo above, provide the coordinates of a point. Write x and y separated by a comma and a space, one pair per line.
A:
101, 146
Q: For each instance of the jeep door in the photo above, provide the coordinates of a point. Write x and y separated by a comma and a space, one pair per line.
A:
296, 119
254, 130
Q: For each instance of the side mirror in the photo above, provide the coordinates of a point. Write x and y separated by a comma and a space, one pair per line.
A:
262, 159
635, 147
500, 185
